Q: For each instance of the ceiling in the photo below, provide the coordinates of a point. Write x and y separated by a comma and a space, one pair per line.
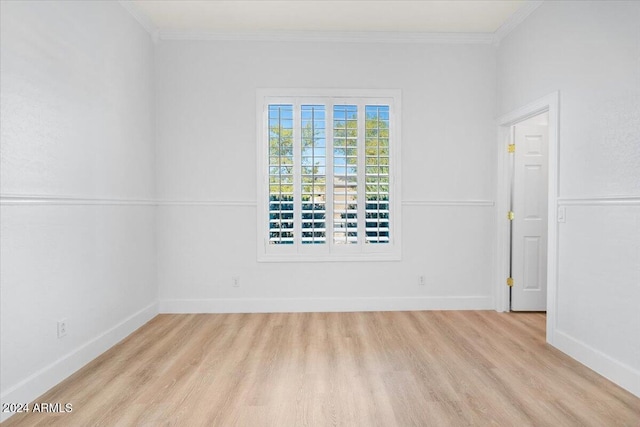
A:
393, 16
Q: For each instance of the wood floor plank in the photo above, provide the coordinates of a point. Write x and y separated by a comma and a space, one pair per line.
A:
429, 368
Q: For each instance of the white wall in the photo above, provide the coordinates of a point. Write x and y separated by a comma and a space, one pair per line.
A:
590, 52
206, 158
77, 148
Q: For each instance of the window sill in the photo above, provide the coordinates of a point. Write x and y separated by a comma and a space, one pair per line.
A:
365, 257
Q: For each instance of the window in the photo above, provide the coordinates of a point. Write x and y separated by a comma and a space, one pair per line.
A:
328, 164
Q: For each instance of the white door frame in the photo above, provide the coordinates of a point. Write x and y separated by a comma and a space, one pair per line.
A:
550, 103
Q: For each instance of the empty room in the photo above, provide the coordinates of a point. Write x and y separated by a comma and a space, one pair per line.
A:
319, 212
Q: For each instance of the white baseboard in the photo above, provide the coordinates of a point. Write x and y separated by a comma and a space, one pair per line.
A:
35, 385
623, 375
294, 305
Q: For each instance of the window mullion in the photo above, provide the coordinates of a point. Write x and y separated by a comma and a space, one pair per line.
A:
392, 176
329, 215
362, 238
297, 181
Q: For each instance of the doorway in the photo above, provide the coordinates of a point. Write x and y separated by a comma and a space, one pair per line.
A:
548, 104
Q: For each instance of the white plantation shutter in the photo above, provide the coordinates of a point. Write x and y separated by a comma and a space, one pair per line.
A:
345, 174
281, 164
313, 174
329, 183
377, 173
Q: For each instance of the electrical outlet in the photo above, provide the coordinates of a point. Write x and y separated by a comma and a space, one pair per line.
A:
421, 281
62, 328
235, 281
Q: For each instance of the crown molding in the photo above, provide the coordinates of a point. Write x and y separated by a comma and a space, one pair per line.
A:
141, 17
326, 36
337, 37
516, 19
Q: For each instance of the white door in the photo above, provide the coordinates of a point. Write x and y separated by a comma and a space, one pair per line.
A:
529, 251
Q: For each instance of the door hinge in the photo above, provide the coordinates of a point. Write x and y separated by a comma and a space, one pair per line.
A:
510, 281
511, 148
510, 215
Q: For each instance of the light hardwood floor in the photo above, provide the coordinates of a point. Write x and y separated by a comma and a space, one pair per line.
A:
433, 368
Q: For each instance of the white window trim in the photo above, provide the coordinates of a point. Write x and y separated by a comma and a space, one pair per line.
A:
329, 251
